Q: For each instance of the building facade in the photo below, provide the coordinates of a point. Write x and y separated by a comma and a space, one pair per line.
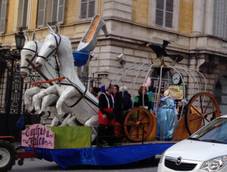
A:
196, 29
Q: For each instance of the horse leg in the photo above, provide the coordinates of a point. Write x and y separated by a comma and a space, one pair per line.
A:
47, 101
38, 97
71, 121
66, 121
66, 94
93, 123
44, 117
46, 107
54, 122
29, 93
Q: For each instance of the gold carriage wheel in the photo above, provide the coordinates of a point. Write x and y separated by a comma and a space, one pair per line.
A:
138, 124
202, 108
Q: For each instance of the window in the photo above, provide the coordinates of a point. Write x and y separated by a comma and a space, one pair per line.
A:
87, 9
220, 18
50, 11
3, 11
41, 13
164, 13
58, 7
22, 15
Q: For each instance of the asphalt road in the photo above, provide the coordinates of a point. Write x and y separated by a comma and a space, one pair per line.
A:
35, 165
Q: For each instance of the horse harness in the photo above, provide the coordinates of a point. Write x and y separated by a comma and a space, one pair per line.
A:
54, 52
30, 62
83, 94
33, 57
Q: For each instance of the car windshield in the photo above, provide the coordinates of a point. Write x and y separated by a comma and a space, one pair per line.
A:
214, 132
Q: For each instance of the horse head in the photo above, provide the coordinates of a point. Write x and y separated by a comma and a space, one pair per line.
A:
28, 54
60, 48
49, 47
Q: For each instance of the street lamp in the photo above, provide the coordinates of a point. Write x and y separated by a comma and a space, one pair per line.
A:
19, 39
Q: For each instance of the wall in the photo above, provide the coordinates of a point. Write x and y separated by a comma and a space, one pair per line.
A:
186, 16
140, 11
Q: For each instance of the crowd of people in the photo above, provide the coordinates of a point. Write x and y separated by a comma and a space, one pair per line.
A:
114, 103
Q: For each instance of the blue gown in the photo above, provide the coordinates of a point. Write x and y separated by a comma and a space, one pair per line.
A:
166, 118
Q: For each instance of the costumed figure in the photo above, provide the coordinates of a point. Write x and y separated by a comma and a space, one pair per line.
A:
166, 117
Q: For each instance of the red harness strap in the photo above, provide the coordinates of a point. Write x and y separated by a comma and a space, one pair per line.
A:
38, 83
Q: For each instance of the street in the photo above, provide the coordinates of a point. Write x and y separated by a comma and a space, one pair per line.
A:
36, 165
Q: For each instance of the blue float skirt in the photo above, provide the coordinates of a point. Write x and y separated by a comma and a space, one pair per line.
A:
80, 58
102, 156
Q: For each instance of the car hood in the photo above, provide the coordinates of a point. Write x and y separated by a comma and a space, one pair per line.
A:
196, 150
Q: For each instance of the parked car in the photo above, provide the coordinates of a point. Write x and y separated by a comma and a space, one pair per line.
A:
204, 151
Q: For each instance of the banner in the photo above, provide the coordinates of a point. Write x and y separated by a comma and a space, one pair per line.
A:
37, 136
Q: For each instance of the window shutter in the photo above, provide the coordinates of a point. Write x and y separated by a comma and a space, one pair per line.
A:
164, 13
159, 12
219, 17
3, 11
54, 9
24, 13
169, 5
41, 13
83, 9
160, 4
61, 11
20, 13
169, 13
225, 20
91, 8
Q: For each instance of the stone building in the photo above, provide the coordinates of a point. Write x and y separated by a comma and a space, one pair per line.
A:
196, 29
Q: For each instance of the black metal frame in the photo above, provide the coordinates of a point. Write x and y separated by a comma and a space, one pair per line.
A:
11, 91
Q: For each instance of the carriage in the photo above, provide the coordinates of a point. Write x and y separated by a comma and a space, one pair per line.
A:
192, 114
140, 125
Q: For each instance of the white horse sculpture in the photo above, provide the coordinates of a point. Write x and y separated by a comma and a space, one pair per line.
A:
74, 97
28, 55
61, 46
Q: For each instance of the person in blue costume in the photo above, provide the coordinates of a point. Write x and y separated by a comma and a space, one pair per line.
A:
166, 117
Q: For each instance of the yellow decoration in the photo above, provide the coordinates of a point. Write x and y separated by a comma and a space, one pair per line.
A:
175, 91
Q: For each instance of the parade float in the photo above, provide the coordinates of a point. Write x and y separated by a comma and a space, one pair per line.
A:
60, 92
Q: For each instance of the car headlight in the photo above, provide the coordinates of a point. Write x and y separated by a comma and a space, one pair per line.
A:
215, 164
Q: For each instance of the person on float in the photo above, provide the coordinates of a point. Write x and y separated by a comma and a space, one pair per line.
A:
105, 117
166, 117
117, 122
123, 104
117, 103
142, 98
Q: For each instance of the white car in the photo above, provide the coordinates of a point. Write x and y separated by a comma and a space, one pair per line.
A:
204, 151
